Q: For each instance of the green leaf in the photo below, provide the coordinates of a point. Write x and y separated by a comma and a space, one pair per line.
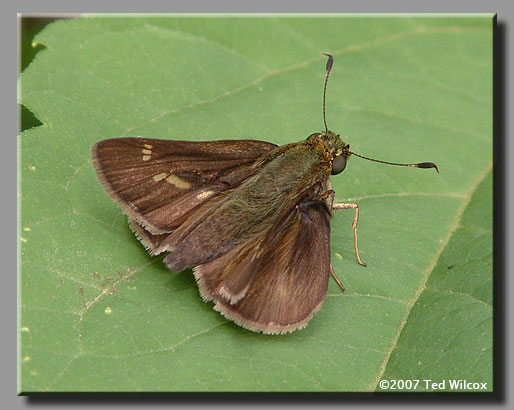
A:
97, 313
448, 332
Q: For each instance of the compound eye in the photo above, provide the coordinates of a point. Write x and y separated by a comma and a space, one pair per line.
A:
338, 164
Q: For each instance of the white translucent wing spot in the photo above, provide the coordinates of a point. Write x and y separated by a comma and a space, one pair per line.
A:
147, 153
205, 194
179, 183
160, 176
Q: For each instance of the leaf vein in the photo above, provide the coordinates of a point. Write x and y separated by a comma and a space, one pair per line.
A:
428, 271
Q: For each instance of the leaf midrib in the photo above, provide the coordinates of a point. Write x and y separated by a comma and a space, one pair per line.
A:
433, 263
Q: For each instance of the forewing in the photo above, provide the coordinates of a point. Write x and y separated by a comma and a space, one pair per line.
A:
277, 283
158, 182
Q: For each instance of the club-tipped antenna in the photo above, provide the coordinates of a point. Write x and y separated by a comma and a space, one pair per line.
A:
330, 62
418, 165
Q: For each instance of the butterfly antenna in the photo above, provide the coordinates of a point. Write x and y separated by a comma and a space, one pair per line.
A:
418, 165
330, 62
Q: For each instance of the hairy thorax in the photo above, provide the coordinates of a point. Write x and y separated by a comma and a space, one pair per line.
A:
281, 180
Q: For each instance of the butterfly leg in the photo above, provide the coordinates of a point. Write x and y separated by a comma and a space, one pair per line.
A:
336, 278
344, 205
328, 194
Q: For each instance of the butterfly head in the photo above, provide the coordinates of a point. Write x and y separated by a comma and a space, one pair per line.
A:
338, 151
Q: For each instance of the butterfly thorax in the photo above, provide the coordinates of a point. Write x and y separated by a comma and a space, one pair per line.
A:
286, 175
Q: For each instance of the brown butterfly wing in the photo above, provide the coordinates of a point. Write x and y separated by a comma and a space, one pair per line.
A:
149, 241
276, 283
273, 282
159, 182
